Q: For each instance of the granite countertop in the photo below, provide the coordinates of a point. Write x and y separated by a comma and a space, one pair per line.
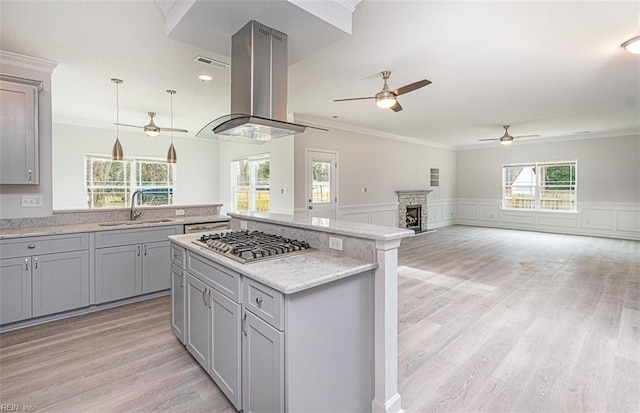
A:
95, 226
355, 229
287, 274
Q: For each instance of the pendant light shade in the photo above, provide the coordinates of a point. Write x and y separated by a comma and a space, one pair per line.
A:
172, 157
632, 45
117, 153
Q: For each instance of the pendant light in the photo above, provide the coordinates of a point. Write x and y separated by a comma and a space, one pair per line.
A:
117, 153
632, 45
172, 157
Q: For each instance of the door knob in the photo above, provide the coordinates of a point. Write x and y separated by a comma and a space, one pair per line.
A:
310, 206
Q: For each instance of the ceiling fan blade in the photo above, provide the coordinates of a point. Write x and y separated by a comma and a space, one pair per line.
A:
396, 107
492, 139
344, 100
411, 87
173, 130
527, 136
131, 126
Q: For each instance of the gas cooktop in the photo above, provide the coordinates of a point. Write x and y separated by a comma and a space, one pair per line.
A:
251, 246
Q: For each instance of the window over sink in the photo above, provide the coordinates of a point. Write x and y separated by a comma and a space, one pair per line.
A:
109, 184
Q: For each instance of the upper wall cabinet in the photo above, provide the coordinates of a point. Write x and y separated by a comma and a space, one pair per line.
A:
19, 132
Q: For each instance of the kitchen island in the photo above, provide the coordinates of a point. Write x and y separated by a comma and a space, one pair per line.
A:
320, 328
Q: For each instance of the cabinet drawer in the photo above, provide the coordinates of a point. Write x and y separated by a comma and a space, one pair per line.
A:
50, 244
177, 255
134, 236
220, 278
263, 301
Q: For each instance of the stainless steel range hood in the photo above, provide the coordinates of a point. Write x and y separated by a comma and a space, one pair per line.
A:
258, 89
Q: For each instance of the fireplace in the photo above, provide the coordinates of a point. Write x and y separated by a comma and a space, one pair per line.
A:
412, 210
414, 218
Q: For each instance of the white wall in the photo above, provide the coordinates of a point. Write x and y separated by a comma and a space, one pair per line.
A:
383, 166
10, 195
608, 187
196, 169
281, 171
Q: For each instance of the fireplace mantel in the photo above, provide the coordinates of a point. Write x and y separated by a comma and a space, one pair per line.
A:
416, 191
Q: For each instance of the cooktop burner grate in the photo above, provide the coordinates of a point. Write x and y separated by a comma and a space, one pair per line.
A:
251, 246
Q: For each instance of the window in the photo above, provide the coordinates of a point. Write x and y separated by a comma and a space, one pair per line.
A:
540, 186
251, 183
110, 183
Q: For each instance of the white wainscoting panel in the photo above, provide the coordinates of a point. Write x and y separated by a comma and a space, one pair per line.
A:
597, 218
628, 220
377, 214
601, 219
385, 218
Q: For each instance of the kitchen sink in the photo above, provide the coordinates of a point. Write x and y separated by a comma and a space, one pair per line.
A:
146, 221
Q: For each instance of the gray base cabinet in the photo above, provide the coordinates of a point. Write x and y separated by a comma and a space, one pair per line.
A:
131, 262
178, 302
60, 282
15, 289
118, 272
198, 332
262, 366
43, 275
224, 366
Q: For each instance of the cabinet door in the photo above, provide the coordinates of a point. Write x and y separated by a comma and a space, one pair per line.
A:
262, 366
156, 266
118, 272
198, 330
60, 282
15, 289
225, 346
19, 131
177, 302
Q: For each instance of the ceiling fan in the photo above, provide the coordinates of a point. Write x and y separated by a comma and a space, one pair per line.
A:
387, 99
151, 129
507, 139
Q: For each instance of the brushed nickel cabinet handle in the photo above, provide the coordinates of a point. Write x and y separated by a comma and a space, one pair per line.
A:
259, 301
244, 324
138, 250
26, 264
30, 175
31, 246
35, 260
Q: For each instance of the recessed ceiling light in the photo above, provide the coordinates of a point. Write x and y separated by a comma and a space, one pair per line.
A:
205, 78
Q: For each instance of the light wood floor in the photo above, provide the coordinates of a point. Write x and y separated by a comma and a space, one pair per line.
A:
490, 320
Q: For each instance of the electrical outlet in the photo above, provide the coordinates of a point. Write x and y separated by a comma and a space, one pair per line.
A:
335, 243
179, 212
243, 224
31, 200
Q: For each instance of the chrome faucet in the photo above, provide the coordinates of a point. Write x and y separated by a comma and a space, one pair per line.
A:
134, 212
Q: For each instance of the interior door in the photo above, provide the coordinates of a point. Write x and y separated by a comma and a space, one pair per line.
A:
322, 196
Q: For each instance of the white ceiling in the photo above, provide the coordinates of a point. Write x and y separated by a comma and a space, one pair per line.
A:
549, 68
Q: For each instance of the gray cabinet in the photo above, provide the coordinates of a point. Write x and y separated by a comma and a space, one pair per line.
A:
15, 289
225, 346
198, 331
262, 366
118, 272
19, 133
43, 275
178, 313
155, 267
131, 262
60, 282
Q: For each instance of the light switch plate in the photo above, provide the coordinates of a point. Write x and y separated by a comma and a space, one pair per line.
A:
179, 212
243, 224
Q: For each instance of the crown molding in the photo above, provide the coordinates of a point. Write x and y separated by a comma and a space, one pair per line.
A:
348, 4
27, 62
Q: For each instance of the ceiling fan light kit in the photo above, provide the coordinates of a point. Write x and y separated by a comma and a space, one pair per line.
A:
388, 99
117, 153
507, 139
151, 129
632, 45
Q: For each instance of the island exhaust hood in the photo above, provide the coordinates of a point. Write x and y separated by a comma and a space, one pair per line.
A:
258, 89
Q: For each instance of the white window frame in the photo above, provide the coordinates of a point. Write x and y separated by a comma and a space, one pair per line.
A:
539, 184
253, 181
131, 182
